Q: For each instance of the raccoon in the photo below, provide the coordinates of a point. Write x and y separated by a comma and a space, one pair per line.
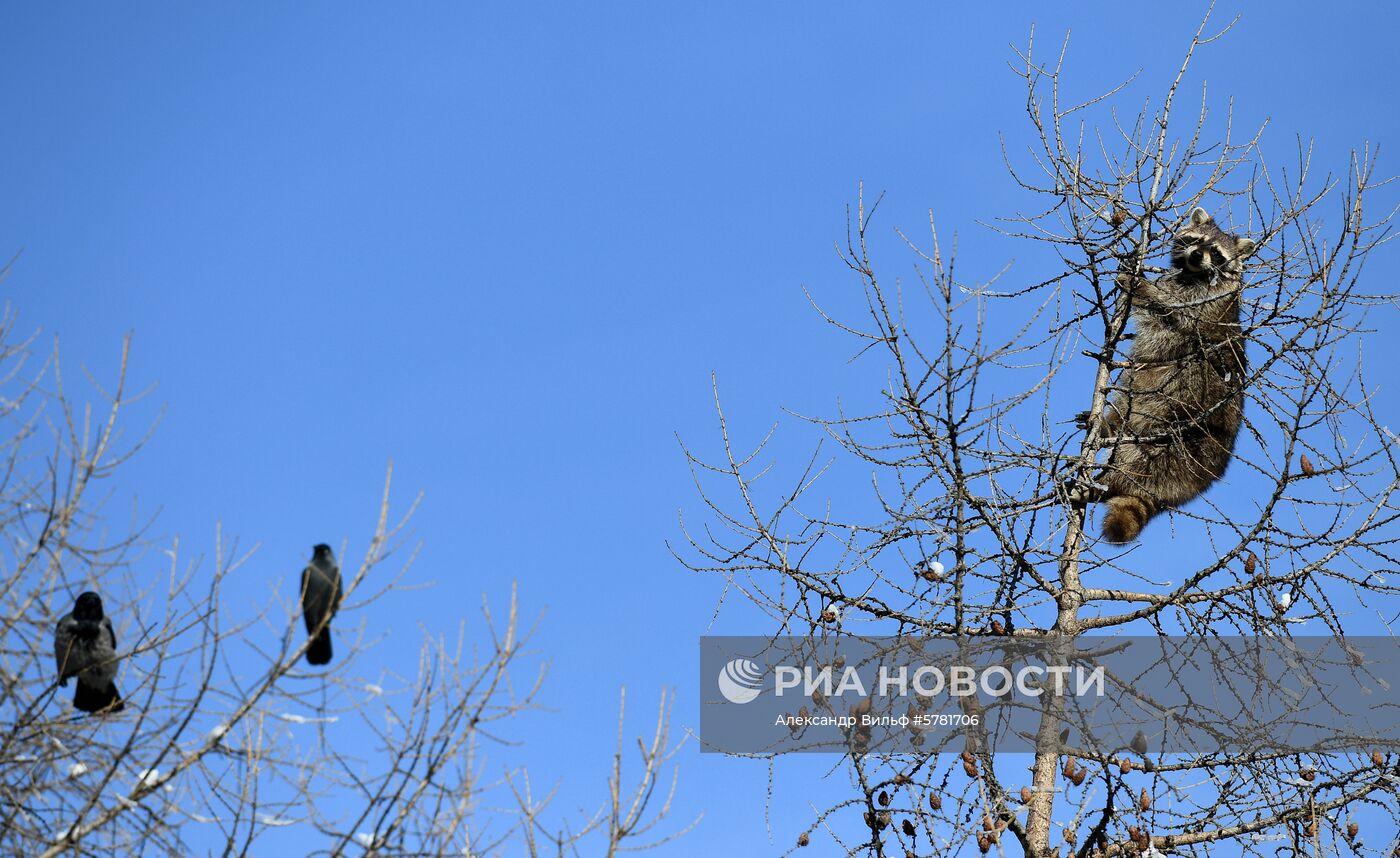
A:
1180, 401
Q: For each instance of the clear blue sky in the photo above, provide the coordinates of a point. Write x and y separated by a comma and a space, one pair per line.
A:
507, 245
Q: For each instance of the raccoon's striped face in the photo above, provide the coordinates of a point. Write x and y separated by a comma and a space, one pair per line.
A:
1202, 248
1199, 254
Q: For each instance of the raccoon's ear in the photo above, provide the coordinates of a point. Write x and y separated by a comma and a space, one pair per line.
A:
1200, 216
1244, 247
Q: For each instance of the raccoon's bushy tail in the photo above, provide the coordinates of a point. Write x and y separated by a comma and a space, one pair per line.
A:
320, 650
1126, 516
94, 699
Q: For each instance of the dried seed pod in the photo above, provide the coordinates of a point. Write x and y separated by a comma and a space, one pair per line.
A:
984, 843
908, 828
968, 758
998, 628
883, 798
818, 698
1352, 829
1145, 800
970, 768
1306, 466
1356, 656
1250, 562
1119, 216
838, 663
1309, 775
1070, 837
1124, 766
1026, 794
1079, 777
901, 779
917, 740
1310, 830
1139, 743
1071, 766
935, 801
1378, 759
987, 824
803, 839
1064, 735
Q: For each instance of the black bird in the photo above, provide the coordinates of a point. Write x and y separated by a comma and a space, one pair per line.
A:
1139, 744
85, 646
320, 599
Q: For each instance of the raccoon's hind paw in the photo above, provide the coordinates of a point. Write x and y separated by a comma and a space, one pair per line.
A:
1080, 491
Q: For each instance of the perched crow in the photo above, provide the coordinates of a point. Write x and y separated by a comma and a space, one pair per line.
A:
320, 599
85, 646
1139, 744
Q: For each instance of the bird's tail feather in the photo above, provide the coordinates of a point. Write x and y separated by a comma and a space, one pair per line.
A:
320, 650
90, 699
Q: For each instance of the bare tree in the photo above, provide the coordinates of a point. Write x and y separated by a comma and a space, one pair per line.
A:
980, 479
210, 757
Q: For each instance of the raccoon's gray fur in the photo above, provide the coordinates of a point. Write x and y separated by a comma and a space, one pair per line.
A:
1180, 401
